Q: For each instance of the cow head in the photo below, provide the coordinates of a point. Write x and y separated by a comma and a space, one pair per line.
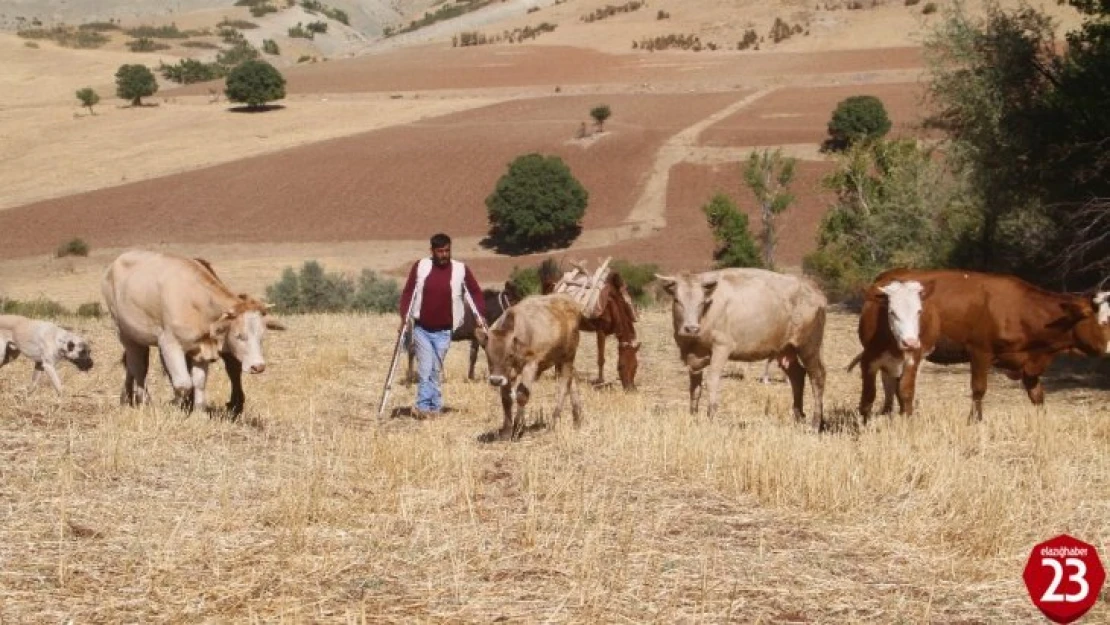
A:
692, 294
239, 332
74, 348
498, 343
904, 303
1089, 318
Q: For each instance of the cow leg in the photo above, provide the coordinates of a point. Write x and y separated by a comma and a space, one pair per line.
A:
198, 373
867, 395
695, 390
815, 370
173, 357
136, 361
473, 359
1031, 380
717, 362
980, 368
890, 390
796, 373
506, 432
238, 399
568, 386
600, 357
907, 386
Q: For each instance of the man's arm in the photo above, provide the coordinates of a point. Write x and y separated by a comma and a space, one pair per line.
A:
475, 292
406, 293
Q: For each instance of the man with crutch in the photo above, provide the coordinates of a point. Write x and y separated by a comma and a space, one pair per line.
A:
436, 294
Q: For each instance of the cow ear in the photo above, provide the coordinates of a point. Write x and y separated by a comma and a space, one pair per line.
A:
668, 283
274, 324
482, 336
508, 321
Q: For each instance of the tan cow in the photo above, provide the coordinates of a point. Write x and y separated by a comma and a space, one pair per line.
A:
749, 315
45, 344
539, 333
179, 305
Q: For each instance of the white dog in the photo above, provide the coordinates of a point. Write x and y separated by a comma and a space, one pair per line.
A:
46, 344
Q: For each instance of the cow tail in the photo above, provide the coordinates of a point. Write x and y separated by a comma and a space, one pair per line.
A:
855, 361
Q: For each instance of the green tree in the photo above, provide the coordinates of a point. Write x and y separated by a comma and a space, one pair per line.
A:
255, 83
735, 245
896, 205
768, 174
601, 113
134, 82
375, 294
857, 118
537, 205
88, 98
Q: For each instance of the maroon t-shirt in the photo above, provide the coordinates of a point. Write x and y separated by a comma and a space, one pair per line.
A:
435, 302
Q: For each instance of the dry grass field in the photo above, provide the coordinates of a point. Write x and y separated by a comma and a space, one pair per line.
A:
313, 510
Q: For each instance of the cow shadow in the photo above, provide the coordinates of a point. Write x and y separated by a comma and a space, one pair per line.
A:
1070, 372
256, 109
494, 436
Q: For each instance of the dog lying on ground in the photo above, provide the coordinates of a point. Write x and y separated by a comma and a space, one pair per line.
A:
45, 344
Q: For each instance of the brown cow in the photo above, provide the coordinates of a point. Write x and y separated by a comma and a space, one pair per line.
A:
750, 315
617, 317
985, 319
536, 334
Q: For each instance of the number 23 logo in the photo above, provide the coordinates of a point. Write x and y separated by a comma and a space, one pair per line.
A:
1079, 577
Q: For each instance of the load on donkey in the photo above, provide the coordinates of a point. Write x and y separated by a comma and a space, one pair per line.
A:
608, 311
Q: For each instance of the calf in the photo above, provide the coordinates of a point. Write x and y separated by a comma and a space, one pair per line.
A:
749, 315
46, 344
539, 333
985, 319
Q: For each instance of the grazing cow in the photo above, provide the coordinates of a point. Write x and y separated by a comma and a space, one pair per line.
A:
617, 317
496, 302
749, 315
981, 318
45, 344
182, 307
539, 333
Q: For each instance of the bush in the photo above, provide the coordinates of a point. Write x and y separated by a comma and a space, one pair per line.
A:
735, 245
236, 55
259, 10
133, 82
88, 98
269, 46
636, 277
858, 118
600, 113
90, 309
36, 308
299, 31
255, 83
313, 290
73, 247
929, 8
189, 71
526, 280
536, 206
146, 44
157, 32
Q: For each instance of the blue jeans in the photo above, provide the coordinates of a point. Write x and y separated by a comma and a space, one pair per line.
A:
431, 349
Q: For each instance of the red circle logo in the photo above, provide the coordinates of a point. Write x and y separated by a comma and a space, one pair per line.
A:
1064, 577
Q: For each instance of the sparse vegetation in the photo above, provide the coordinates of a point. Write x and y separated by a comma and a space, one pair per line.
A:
750, 39
90, 310
781, 31
255, 83
662, 15
226, 23
537, 205
134, 82
665, 42
200, 45
855, 119
73, 247
299, 32
260, 10
312, 6
88, 98
38, 308
99, 27
516, 35
170, 31
317, 28
66, 36
269, 46
146, 44
189, 71
444, 12
929, 8
313, 290
610, 10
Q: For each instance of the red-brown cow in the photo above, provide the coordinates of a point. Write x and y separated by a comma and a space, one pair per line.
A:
964, 316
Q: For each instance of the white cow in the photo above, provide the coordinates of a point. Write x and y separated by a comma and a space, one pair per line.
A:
44, 343
749, 315
179, 305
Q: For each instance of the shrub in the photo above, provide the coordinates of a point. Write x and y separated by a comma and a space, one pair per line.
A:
537, 205
189, 71
929, 8
526, 280
859, 118
226, 24
299, 31
88, 98
636, 277
662, 15
157, 32
600, 113
99, 26
735, 245
200, 45
146, 44
259, 10
73, 247
317, 27
376, 294
255, 83
236, 55
90, 309
36, 308
911, 3
269, 46
133, 82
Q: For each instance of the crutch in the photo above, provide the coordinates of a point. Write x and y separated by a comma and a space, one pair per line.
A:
397, 349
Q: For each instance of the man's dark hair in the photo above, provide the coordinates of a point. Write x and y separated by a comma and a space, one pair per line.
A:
440, 240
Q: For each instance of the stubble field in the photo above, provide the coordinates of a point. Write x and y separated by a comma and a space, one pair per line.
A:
312, 510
